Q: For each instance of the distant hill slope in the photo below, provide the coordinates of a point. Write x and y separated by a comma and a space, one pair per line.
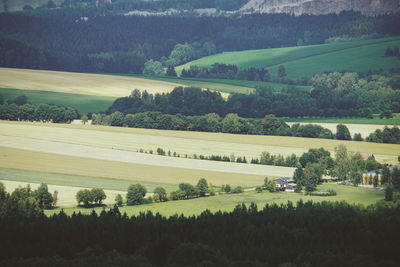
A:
305, 61
321, 7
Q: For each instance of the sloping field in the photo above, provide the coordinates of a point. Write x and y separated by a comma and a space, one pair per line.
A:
305, 61
224, 85
363, 129
79, 83
83, 103
375, 120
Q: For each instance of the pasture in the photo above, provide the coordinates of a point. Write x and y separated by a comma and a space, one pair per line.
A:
79, 83
227, 203
83, 103
305, 61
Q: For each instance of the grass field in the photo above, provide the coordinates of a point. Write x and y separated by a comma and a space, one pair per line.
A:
223, 85
305, 61
350, 194
79, 83
376, 120
83, 103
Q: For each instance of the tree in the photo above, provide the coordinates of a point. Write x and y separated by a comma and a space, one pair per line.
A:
237, 190
84, 196
298, 175
118, 200
98, 195
396, 179
357, 137
84, 119
3, 192
342, 132
389, 193
55, 198
355, 168
202, 187
342, 163
281, 71
259, 189
136, 194
160, 194
44, 198
190, 190
153, 68
171, 71
312, 176
226, 188
385, 178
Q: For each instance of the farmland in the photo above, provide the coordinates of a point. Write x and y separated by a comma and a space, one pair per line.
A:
224, 85
83, 103
350, 194
305, 61
79, 83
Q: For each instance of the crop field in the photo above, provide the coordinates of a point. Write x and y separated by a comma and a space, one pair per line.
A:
357, 195
305, 61
83, 103
374, 121
363, 129
79, 83
224, 85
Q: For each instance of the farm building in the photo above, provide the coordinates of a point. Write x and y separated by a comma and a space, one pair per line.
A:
285, 184
368, 177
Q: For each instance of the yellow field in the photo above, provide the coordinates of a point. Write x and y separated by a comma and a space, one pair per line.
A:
183, 142
79, 83
363, 129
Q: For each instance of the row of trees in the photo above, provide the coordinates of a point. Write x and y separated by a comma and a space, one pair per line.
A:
89, 198
20, 110
332, 95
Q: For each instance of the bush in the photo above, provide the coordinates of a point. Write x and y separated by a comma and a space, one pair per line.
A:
327, 193
237, 190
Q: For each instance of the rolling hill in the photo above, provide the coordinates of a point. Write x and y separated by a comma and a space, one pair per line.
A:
305, 61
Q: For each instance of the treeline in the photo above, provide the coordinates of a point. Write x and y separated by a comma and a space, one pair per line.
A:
92, 40
293, 235
21, 110
232, 123
332, 95
232, 72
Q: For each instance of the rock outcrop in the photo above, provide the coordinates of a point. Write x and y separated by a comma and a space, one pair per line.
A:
322, 7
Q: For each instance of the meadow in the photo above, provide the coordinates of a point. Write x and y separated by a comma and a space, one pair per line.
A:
79, 83
224, 85
306, 61
227, 202
83, 103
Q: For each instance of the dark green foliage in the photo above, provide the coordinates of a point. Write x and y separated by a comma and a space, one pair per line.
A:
119, 200
259, 189
389, 193
202, 187
342, 132
190, 190
237, 190
171, 72
44, 198
387, 135
136, 194
160, 194
357, 137
320, 156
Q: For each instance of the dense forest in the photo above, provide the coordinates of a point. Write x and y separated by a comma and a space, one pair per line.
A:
332, 95
75, 39
274, 235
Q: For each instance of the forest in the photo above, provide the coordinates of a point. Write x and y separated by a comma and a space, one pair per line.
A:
82, 40
292, 234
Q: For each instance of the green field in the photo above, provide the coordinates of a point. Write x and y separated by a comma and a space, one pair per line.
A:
83, 103
350, 194
224, 85
305, 61
376, 120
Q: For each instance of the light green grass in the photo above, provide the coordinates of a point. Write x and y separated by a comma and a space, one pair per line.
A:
228, 202
27, 176
376, 120
305, 61
222, 85
83, 103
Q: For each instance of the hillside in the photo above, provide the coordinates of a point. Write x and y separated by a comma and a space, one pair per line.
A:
305, 61
321, 7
